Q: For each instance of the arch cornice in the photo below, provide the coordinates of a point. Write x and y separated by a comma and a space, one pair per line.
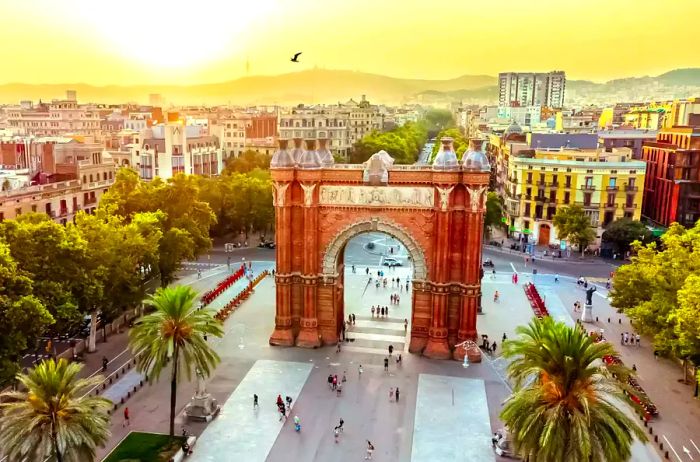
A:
337, 244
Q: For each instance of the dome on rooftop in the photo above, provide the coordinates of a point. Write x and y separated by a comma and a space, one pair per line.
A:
446, 158
283, 157
475, 158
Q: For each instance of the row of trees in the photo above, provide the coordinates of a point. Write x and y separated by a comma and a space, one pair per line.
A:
54, 275
55, 418
660, 291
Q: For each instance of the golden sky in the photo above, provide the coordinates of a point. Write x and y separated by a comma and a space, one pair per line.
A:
196, 41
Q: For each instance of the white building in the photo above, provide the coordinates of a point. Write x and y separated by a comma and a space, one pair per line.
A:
532, 89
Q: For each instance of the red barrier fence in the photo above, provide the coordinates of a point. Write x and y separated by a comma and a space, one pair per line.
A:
210, 296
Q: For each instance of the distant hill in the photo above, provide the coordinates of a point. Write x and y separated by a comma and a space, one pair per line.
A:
311, 86
332, 86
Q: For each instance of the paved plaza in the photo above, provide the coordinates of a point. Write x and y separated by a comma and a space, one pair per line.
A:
445, 411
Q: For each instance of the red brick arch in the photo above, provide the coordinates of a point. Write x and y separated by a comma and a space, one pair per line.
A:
436, 214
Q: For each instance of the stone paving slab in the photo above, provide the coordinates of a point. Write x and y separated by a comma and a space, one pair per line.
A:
239, 433
452, 420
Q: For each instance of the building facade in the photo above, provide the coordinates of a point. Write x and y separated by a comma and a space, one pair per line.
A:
608, 185
672, 187
532, 89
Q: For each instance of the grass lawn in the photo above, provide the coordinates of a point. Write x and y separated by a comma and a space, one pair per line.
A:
145, 447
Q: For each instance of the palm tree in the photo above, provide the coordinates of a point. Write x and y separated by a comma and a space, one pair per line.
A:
175, 331
567, 405
53, 418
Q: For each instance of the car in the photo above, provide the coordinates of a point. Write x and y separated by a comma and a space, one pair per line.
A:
488, 263
391, 262
267, 245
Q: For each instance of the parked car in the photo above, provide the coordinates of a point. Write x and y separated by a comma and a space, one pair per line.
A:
267, 245
488, 263
391, 262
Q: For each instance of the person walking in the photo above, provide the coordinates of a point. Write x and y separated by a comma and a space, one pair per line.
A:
386, 364
405, 325
370, 450
397, 394
391, 349
493, 347
353, 319
255, 401
556, 278
330, 381
639, 340
345, 379
373, 311
622, 338
337, 350
288, 400
340, 424
504, 337
335, 382
105, 362
126, 417
359, 371
339, 389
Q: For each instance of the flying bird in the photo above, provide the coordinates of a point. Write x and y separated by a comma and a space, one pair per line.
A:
295, 59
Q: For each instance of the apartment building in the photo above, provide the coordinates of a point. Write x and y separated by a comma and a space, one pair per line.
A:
608, 185
532, 89
242, 131
672, 187
57, 118
164, 150
58, 177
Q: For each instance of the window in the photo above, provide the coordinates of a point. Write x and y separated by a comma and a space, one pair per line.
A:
552, 196
528, 192
608, 218
527, 209
587, 199
529, 177
568, 181
567, 197
630, 200
526, 225
589, 182
611, 199
630, 182
612, 182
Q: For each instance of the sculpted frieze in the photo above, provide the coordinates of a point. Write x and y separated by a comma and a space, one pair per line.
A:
380, 196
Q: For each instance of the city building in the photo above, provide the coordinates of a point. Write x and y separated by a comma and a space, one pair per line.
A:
173, 147
242, 131
56, 176
522, 115
672, 187
577, 121
626, 138
57, 118
324, 122
531, 89
606, 184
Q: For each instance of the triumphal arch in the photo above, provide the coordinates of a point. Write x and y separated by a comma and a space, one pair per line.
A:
435, 210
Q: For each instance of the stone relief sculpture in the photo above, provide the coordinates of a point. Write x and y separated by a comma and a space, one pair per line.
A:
281, 190
377, 195
308, 193
377, 168
475, 197
444, 196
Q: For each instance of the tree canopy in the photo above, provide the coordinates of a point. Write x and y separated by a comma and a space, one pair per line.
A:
494, 212
460, 143
248, 161
622, 232
660, 291
574, 225
402, 143
566, 404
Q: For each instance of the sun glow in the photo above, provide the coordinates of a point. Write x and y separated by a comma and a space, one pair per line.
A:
175, 34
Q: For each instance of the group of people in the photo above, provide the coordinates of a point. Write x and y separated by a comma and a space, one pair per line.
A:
487, 345
282, 406
629, 338
335, 384
395, 299
380, 310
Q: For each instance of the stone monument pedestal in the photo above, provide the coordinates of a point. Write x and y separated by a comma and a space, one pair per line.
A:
202, 407
587, 315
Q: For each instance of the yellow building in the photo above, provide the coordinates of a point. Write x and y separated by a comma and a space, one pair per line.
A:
608, 185
664, 114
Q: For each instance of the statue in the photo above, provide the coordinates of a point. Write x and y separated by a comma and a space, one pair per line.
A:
589, 295
202, 406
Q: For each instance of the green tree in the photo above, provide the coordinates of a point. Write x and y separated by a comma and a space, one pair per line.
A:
624, 231
53, 418
566, 404
436, 120
461, 144
174, 334
22, 316
494, 212
658, 291
54, 257
248, 161
574, 225
402, 143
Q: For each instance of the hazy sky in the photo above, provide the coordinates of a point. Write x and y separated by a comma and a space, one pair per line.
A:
176, 41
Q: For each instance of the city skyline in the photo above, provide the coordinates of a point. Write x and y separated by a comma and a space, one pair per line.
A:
161, 42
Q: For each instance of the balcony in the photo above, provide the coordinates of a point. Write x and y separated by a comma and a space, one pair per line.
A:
554, 184
540, 199
589, 206
630, 206
541, 183
63, 211
588, 187
609, 206
611, 188
567, 185
631, 188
